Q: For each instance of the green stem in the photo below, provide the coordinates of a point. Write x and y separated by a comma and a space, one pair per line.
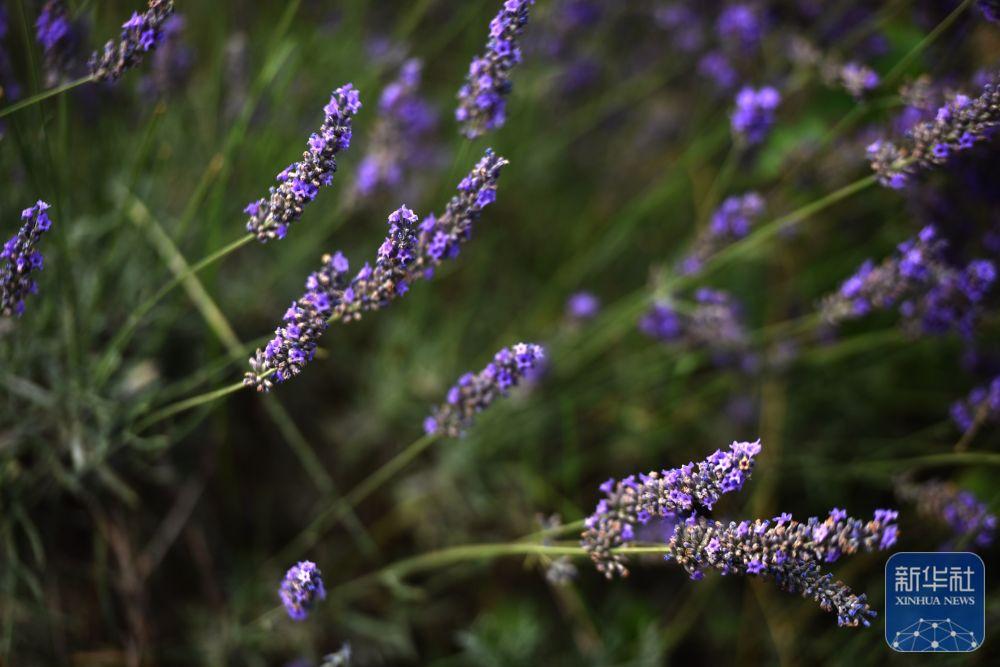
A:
342, 506
187, 404
925, 42
44, 95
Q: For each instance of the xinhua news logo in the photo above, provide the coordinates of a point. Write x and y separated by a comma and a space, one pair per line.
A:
935, 602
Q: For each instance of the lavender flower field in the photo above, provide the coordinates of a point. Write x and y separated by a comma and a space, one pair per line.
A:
492, 332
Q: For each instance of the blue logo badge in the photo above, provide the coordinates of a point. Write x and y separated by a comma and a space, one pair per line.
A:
935, 601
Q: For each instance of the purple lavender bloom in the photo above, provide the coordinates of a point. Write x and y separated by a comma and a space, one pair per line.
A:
741, 25
60, 39
731, 222
21, 259
789, 552
716, 66
582, 306
331, 296
957, 126
662, 322
715, 322
301, 588
966, 516
408, 254
140, 34
982, 403
669, 493
933, 296
473, 393
171, 63
754, 113
990, 10
482, 100
400, 137
858, 79
299, 183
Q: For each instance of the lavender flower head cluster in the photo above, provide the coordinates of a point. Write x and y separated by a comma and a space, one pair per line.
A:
582, 306
330, 296
473, 393
990, 10
301, 588
957, 126
789, 552
966, 516
21, 259
715, 322
399, 137
981, 404
140, 35
482, 99
741, 25
631, 502
407, 255
731, 222
933, 296
753, 116
299, 182
58, 37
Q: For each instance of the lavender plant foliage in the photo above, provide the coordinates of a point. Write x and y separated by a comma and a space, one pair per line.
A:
933, 296
406, 256
482, 103
968, 519
59, 37
753, 116
789, 552
400, 138
301, 589
10, 89
21, 259
632, 502
141, 34
957, 126
731, 222
299, 182
982, 403
473, 393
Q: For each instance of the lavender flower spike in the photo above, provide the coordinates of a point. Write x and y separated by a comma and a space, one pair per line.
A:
982, 403
958, 126
754, 114
730, 222
473, 393
482, 100
968, 518
330, 296
299, 183
59, 38
21, 259
788, 551
301, 588
404, 258
140, 34
629, 503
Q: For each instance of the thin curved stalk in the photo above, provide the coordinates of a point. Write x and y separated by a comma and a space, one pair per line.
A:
44, 95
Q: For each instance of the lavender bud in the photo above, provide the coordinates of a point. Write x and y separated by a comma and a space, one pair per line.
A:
788, 551
731, 222
858, 79
21, 259
958, 126
140, 34
301, 588
990, 10
754, 114
582, 306
961, 511
982, 403
299, 183
482, 100
669, 493
473, 393
740, 25
932, 296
